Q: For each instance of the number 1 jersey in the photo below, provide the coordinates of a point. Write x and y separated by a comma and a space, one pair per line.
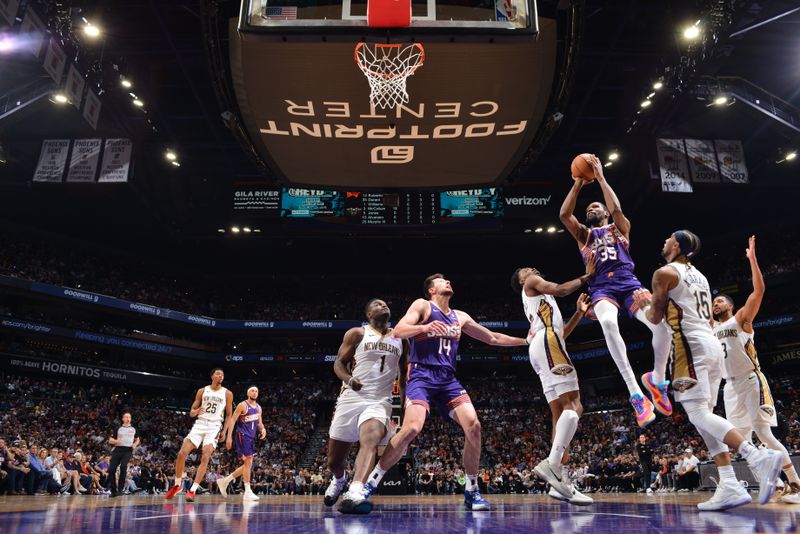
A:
375, 364
437, 350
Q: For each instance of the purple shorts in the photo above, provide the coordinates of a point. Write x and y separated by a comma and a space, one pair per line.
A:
618, 291
430, 384
245, 445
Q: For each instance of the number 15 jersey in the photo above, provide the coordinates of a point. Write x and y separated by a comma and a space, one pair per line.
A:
688, 317
438, 350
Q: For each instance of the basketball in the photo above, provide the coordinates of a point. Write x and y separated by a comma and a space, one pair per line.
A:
581, 168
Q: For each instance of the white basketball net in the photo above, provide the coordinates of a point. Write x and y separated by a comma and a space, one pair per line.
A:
387, 66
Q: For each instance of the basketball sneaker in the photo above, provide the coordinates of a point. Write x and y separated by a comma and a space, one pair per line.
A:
172, 492
555, 478
473, 501
335, 488
578, 498
190, 496
249, 495
766, 465
357, 502
658, 392
643, 408
222, 485
726, 496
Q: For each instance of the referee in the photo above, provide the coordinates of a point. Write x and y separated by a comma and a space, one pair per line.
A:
124, 443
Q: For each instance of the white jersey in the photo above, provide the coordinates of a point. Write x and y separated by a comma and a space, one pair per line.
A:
739, 351
542, 312
688, 316
213, 404
375, 364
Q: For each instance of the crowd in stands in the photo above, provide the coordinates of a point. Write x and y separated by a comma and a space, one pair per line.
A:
271, 297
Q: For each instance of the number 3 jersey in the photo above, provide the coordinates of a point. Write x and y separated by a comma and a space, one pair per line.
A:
688, 316
740, 357
438, 350
375, 364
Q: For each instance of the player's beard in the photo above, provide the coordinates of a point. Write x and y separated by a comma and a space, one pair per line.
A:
593, 219
381, 317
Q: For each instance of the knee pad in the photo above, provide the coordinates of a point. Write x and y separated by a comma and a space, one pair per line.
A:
765, 435
569, 415
704, 420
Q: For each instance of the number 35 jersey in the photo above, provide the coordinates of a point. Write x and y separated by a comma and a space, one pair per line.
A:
438, 350
688, 317
376, 362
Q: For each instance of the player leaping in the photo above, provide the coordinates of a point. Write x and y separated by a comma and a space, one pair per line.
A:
246, 420
435, 329
613, 284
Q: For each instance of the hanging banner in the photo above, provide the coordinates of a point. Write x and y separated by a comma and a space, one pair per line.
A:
32, 32
74, 86
8, 10
83, 163
730, 156
52, 160
116, 160
673, 166
55, 59
91, 110
702, 161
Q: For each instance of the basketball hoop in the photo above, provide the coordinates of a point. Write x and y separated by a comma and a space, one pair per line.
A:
387, 66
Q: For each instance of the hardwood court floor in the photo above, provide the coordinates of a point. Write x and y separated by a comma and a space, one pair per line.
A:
512, 514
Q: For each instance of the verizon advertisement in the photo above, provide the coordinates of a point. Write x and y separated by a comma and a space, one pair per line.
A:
472, 112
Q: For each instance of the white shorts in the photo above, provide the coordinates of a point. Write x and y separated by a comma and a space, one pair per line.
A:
551, 362
204, 433
748, 401
352, 411
708, 373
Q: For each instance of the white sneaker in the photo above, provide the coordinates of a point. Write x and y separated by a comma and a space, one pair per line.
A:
791, 498
222, 484
649, 491
556, 479
249, 496
767, 466
334, 490
726, 496
578, 498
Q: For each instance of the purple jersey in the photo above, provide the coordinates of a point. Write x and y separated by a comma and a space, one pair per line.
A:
612, 255
248, 422
437, 350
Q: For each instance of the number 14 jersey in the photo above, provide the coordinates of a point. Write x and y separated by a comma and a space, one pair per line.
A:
438, 350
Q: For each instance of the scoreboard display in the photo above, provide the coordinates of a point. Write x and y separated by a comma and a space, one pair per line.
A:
375, 209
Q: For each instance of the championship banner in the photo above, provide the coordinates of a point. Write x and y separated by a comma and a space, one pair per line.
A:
730, 156
52, 160
32, 31
83, 163
116, 161
55, 59
673, 166
74, 86
702, 161
8, 10
91, 109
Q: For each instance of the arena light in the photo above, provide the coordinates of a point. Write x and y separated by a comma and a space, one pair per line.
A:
651, 95
551, 229
59, 98
221, 230
126, 83
175, 163
690, 33
6, 44
246, 229
614, 156
257, 230
721, 100
138, 103
658, 85
91, 31
527, 230
170, 155
539, 230
645, 104
608, 164
235, 229
790, 156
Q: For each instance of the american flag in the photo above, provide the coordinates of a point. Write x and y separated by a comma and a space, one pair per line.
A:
281, 13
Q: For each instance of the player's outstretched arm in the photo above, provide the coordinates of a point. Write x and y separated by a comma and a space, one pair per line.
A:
474, 330
347, 351
538, 285
409, 326
654, 304
610, 198
567, 214
581, 307
748, 312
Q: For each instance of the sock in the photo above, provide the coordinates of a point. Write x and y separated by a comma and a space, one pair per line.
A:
791, 474
342, 478
178, 481
195, 486
566, 426
607, 316
247, 487
472, 483
726, 474
355, 487
376, 476
746, 449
